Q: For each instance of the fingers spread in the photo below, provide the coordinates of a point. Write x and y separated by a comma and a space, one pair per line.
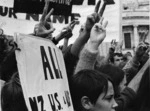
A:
72, 25
102, 8
49, 14
44, 11
72, 22
101, 20
97, 6
105, 24
99, 27
148, 50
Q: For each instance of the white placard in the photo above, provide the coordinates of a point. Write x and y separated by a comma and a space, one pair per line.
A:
42, 74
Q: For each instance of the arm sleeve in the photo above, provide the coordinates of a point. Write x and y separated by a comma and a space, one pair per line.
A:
87, 59
131, 70
70, 61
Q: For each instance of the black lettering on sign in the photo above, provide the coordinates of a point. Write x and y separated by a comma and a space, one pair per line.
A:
46, 64
11, 13
65, 19
57, 71
5, 10
80, 2
58, 64
33, 104
52, 103
75, 16
68, 99
66, 2
40, 99
64, 100
60, 19
35, 17
53, 99
56, 98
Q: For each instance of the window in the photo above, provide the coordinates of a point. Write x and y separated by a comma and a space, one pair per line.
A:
127, 39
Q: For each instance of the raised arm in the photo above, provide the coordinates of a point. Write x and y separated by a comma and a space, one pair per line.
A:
135, 82
85, 31
132, 67
89, 53
106, 59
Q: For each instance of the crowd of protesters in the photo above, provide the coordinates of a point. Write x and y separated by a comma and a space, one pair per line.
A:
119, 81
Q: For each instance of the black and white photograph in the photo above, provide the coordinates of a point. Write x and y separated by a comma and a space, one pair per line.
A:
74, 55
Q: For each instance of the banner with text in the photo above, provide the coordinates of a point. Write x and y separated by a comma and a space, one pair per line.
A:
42, 74
61, 7
16, 22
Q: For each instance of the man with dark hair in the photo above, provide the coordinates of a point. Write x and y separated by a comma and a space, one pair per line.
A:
117, 59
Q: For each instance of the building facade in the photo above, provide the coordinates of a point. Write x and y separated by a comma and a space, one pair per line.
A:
135, 22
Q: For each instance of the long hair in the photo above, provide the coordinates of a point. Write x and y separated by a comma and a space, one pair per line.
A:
12, 98
8, 66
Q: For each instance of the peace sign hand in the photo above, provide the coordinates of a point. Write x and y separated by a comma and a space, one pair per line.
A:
69, 27
45, 27
140, 50
118, 48
112, 46
98, 34
93, 18
67, 31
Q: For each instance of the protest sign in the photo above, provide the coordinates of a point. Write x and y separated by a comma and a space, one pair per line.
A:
42, 74
80, 2
81, 11
61, 7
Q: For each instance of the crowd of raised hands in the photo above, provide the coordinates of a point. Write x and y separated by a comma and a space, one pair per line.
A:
114, 82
